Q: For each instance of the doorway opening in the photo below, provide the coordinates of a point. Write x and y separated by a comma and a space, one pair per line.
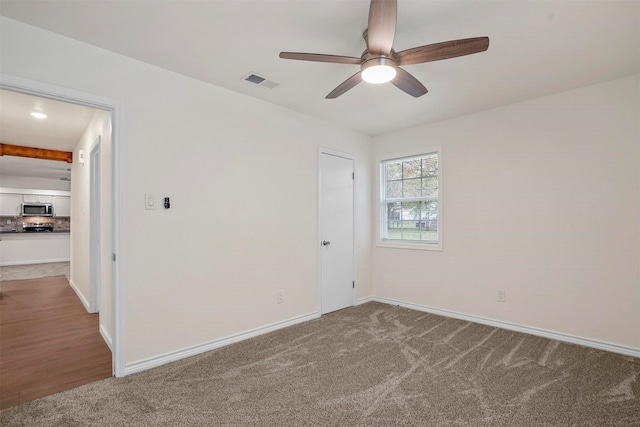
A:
104, 226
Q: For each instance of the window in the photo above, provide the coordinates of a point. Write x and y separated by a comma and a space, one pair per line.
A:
410, 200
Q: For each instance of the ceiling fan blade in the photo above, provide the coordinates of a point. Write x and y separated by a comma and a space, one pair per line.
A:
409, 84
444, 50
319, 57
382, 26
350, 83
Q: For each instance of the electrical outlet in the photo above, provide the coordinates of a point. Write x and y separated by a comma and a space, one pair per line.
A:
280, 297
500, 295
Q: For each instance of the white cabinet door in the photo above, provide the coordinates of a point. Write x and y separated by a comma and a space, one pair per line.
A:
10, 204
61, 206
37, 198
30, 198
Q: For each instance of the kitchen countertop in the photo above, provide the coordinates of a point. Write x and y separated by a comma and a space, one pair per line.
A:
39, 232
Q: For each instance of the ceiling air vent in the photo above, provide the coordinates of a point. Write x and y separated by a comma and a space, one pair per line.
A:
259, 80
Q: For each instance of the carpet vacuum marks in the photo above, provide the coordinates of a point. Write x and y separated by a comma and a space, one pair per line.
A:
370, 365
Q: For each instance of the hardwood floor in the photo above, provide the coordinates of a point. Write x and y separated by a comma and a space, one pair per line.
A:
48, 341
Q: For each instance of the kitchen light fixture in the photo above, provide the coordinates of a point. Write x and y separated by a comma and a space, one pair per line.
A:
378, 70
39, 115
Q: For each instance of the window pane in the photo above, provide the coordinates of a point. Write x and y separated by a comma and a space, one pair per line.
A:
412, 187
394, 189
430, 186
430, 165
419, 222
411, 168
410, 210
429, 222
410, 214
394, 170
394, 222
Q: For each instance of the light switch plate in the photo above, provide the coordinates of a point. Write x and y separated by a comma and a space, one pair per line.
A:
149, 201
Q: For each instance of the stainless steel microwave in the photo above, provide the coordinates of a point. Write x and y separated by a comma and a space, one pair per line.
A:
37, 209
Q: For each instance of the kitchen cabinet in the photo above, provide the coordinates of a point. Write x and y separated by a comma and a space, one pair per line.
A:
34, 248
10, 204
37, 198
61, 206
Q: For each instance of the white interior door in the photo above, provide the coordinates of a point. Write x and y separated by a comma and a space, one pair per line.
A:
336, 233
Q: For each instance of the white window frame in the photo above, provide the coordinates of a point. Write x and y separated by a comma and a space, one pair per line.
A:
382, 208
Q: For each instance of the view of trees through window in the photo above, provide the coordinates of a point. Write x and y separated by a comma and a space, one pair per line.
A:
411, 198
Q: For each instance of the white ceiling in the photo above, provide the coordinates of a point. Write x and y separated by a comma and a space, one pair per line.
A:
537, 48
61, 130
33, 168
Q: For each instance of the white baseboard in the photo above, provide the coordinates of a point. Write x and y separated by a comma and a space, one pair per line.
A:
80, 296
587, 342
364, 300
106, 337
45, 261
173, 356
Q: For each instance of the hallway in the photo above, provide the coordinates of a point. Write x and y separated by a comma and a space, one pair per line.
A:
48, 341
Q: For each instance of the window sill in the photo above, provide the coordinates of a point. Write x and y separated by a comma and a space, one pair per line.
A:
409, 245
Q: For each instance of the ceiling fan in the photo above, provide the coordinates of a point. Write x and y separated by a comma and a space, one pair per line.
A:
379, 63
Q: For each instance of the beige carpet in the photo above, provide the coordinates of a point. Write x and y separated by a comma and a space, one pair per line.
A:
372, 365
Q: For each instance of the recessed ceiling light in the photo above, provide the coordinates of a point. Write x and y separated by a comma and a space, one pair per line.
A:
39, 115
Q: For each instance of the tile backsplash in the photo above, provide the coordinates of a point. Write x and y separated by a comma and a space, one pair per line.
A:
8, 223
62, 223
12, 223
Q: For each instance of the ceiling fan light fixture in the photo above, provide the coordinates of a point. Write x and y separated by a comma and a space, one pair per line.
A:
379, 70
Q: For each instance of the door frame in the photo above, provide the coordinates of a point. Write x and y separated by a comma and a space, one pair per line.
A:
95, 229
114, 107
331, 152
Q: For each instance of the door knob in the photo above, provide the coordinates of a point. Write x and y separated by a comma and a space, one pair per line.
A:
325, 243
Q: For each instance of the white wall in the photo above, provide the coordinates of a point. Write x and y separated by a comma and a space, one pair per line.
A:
99, 126
541, 199
31, 182
242, 175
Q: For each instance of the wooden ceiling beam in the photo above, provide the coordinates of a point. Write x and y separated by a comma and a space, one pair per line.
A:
36, 153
